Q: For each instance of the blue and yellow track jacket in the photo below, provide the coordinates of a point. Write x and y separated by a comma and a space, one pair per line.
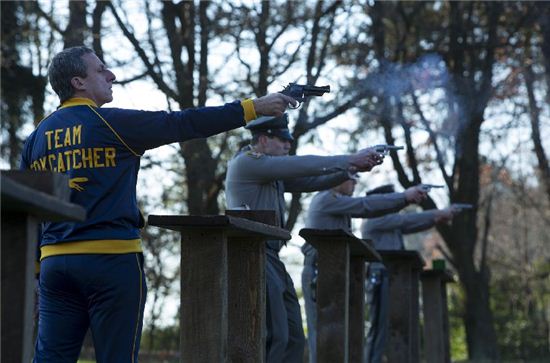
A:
100, 149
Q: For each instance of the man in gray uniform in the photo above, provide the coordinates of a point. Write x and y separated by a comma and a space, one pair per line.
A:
333, 209
387, 234
257, 177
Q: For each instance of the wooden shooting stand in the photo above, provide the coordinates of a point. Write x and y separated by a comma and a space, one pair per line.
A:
404, 269
340, 293
223, 283
28, 198
436, 315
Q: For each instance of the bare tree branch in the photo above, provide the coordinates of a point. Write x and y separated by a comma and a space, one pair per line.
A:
141, 53
534, 114
433, 137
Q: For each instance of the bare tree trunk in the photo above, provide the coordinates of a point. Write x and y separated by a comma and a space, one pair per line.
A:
96, 27
534, 113
77, 28
478, 318
544, 23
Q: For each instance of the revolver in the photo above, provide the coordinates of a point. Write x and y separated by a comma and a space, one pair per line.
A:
461, 207
428, 187
385, 149
300, 92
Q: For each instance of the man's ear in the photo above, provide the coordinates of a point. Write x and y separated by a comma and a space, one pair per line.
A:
262, 140
77, 83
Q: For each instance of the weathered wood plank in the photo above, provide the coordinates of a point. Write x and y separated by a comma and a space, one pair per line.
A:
263, 216
247, 294
235, 227
19, 236
204, 318
55, 184
358, 247
247, 290
403, 343
332, 301
357, 309
20, 198
436, 318
226, 256
23, 207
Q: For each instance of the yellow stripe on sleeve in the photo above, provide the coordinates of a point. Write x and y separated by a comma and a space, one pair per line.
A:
249, 110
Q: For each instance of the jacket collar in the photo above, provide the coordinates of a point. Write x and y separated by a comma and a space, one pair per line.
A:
77, 101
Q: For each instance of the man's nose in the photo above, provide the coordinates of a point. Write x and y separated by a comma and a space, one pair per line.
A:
111, 76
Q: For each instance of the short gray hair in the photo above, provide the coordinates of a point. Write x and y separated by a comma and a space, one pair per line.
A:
66, 65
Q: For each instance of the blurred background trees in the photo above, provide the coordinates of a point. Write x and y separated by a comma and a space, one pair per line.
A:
464, 85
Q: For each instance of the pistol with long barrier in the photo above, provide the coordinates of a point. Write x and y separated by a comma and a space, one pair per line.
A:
428, 187
461, 207
386, 149
300, 92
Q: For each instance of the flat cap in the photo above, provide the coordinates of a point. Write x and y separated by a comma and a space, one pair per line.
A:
383, 189
273, 126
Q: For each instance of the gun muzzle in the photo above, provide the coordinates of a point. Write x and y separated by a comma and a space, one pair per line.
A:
428, 187
462, 206
316, 91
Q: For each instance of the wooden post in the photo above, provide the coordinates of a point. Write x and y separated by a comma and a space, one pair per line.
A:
23, 208
404, 268
356, 329
340, 293
246, 269
223, 286
436, 315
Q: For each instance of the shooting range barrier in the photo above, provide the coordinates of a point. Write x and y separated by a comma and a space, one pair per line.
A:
223, 283
340, 293
28, 198
436, 314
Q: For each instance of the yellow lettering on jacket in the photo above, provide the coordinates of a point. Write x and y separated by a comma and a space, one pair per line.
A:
77, 131
72, 158
77, 164
67, 141
51, 158
42, 163
49, 137
57, 136
60, 164
110, 154
97, 157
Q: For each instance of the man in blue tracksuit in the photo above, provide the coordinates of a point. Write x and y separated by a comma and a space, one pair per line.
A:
92, 272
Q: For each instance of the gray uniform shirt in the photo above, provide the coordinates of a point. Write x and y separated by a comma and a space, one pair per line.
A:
260, 181
331, 210
387, 232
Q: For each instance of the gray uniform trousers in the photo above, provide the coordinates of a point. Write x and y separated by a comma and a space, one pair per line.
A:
377, 301
308, 274
330, 210
387, 234
260, 181
285, 335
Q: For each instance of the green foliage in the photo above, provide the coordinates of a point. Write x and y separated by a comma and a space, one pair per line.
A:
459, 350
519, 307
166, 339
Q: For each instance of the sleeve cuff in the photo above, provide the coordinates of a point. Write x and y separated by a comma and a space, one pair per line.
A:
249, 111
